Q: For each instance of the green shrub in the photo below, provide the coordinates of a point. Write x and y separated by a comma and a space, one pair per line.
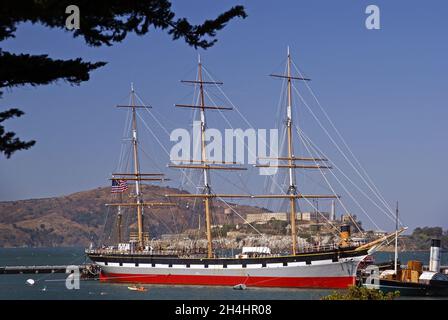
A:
361, 293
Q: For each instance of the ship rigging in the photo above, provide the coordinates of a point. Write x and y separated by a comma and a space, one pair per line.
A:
333, 266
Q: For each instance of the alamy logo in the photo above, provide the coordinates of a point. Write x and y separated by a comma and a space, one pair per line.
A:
72, 21
72, 282
373, 20
239, 146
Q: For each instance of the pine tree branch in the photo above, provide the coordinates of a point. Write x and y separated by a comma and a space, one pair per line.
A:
104, 22
8, 143
23, 69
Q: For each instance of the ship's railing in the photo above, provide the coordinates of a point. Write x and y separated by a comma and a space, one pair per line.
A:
139, 252
201, 251
327, 247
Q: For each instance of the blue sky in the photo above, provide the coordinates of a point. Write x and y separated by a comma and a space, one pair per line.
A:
386, 91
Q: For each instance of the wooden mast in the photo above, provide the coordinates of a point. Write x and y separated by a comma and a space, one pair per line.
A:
292, 193
292, 184
205, 170
204, 164
119, 220
137, 177
137, 171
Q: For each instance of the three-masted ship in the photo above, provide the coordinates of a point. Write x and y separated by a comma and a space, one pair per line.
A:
332, 266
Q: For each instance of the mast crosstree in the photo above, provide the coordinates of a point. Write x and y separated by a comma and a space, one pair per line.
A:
137, 177
204, 164
180, 263
292, 192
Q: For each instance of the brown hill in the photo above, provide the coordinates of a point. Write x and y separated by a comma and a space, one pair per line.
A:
81, 218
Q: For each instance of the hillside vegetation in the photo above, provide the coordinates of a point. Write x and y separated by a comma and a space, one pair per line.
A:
79, 218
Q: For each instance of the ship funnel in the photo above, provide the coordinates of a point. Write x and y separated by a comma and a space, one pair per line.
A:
434, 258
345, 235
333, 211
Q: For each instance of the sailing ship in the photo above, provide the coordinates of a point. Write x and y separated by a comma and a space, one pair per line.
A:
332, 266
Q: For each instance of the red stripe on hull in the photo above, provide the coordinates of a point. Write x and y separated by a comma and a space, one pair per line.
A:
286, 282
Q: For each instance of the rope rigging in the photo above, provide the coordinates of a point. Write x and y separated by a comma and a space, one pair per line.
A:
272, 184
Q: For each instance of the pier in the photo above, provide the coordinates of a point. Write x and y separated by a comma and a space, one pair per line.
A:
88, 270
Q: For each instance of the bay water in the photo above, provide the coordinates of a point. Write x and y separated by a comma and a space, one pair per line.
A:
52, 286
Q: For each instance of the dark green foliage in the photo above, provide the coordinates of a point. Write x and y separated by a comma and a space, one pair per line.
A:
361, 293
193, 34
102, 22
422, 237
25, 69
106, 21
8, 142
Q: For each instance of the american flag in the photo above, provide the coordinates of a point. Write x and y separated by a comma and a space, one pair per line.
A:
119, 186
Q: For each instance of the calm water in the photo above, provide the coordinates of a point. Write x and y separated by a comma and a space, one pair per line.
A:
52, 286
